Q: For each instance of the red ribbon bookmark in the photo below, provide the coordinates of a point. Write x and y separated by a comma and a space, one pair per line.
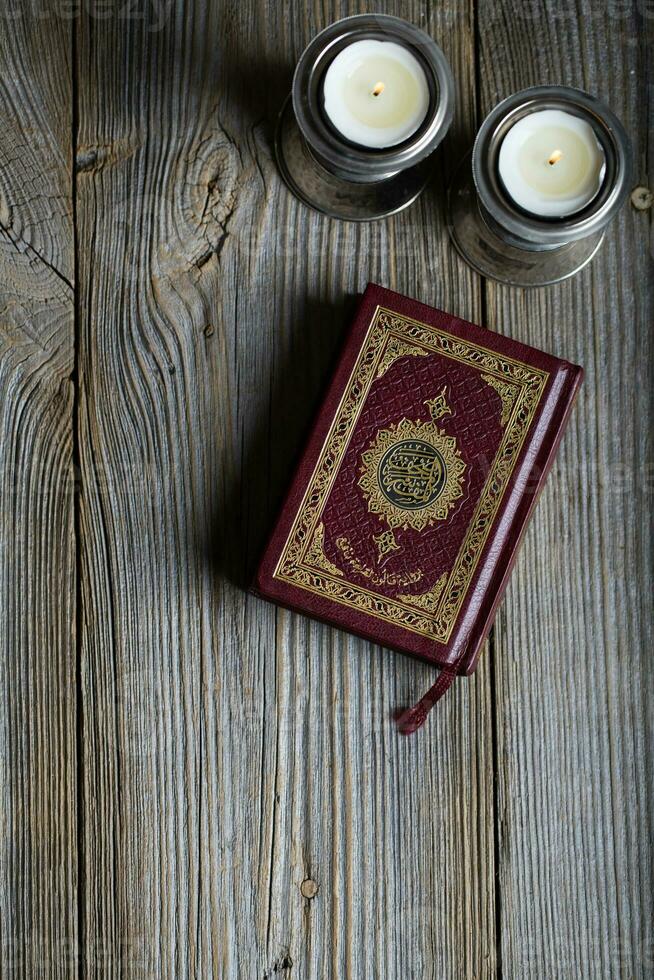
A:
412, 719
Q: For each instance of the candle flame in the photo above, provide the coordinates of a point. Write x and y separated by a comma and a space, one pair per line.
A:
555, 157
378, 89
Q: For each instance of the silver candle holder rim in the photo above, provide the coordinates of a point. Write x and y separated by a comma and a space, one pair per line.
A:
611, 136
341, 154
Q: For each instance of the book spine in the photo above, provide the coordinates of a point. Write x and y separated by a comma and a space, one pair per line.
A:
508, 553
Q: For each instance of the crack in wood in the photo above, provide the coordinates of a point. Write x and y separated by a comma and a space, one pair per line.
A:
28, 249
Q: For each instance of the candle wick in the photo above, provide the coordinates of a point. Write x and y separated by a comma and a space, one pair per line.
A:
378, 89
555, 157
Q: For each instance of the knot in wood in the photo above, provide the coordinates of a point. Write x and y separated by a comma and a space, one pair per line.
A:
309, 888
212, 184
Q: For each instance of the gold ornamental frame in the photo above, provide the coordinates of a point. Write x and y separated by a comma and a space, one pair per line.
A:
447, 459
387, 333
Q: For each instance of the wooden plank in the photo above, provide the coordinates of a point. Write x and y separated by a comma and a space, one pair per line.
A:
233, 750
38, 859
573, 666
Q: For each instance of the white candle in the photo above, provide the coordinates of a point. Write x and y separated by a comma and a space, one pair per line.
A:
376, 93
551, 163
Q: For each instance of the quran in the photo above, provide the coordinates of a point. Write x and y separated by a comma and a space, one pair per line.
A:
424, 464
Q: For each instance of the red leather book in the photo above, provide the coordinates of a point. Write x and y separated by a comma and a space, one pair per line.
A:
424, 464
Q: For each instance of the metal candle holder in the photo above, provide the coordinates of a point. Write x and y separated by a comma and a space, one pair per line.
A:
338, 177
500, 240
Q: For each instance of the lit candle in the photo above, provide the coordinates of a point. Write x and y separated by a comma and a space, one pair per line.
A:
551, 164
372, 98
550, 168
376, 93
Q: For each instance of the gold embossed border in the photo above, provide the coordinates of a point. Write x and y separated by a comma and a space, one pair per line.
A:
387, 327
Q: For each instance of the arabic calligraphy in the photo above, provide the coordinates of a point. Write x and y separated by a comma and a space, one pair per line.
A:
412, 474
386, 578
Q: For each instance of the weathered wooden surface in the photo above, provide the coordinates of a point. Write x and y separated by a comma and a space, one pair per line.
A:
573, 679
178, 764
38, 817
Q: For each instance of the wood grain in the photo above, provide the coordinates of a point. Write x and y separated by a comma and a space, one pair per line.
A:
232, 750
573, 664
38, 858
195, 783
